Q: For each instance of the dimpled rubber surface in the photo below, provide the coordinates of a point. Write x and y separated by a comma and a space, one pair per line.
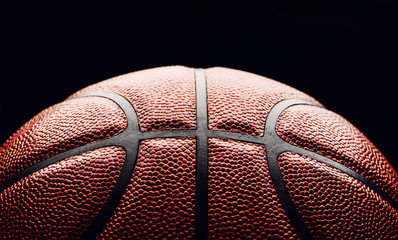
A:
159, 200
239, 101
64, 126
328, 134
335, 205
242, 200
164, 98
61, 200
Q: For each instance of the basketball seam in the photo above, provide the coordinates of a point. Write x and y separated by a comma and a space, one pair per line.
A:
202, 155
131, 136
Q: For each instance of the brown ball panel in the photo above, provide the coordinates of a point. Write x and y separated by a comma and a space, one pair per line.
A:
159, 200
242, 200
61, 200
164, 98
328, 134
239, 101
62, 127
334, 205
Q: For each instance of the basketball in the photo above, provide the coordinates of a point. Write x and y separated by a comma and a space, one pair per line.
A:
189, 153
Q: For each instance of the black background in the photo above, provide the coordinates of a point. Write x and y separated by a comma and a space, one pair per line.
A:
342, 53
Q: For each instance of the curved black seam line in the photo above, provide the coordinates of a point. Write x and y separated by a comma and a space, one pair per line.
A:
201, 190
346, 170
273, 143
42, 164
275, 146
130, 141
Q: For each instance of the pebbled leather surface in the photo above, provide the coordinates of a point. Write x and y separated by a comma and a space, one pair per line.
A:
328, 134
335, 205
159, 200
61, 200
239, 101
164, 98
242, 200
59, 128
